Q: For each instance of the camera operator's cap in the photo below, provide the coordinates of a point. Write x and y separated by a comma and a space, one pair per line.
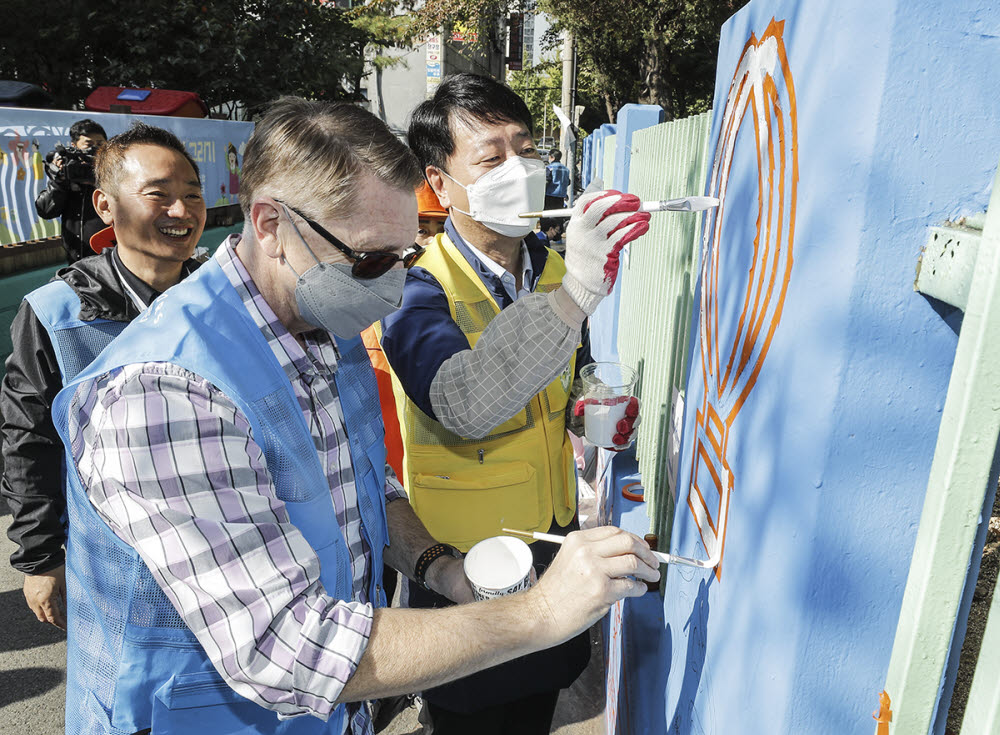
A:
103, 239
428, 204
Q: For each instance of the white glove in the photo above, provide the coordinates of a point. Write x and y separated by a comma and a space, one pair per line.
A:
601, 225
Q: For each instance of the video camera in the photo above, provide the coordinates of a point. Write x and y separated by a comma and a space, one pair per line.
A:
77, 166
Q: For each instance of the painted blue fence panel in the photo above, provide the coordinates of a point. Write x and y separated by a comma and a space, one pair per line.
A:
630, 119
817, 374
598, 156
604, 322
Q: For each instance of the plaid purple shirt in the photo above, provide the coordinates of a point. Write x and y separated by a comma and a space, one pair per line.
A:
169, 463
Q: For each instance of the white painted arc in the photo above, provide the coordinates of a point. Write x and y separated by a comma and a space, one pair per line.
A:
758, 63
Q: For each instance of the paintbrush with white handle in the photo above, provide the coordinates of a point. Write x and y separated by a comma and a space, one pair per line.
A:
662, 557
684, 204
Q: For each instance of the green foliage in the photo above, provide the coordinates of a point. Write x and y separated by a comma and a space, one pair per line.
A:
387, 23
540, 87
480, 15
484, 17
251, 51
384, 25
652, 51
607, 45
248, 51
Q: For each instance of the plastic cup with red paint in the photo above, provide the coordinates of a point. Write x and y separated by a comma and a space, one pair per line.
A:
609, 403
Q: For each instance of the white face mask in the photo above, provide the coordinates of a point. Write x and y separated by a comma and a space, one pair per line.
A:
497, 197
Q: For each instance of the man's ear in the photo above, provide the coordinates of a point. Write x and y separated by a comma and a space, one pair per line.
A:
265, 216
102, 205
436, 179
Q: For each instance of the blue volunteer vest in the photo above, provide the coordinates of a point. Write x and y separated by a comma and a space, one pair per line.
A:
132, 662
75, 342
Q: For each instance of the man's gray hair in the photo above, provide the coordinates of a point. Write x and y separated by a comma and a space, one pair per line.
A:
313, 155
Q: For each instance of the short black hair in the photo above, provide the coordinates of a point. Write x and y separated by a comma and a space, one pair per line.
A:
467, 96
110, 158
556, 154
546, 223
86, 127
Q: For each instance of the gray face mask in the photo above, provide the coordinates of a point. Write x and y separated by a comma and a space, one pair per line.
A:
330, 298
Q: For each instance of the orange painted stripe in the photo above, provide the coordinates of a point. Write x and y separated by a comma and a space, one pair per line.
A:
767, 278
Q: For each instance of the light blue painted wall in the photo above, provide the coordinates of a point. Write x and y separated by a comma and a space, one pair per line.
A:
599, 135
587, 162
630, 119
831, 451
604, 321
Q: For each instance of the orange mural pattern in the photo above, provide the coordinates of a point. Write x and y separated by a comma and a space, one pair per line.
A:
763, 94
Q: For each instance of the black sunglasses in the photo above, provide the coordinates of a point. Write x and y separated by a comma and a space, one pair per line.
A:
367, 264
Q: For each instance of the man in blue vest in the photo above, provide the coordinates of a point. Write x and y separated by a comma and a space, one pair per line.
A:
556, 181
150, 199
230, 506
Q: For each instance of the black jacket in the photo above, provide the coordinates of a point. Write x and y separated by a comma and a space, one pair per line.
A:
79, 219
32, 450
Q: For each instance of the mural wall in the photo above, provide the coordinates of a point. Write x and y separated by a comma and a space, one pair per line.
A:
26, 136
817, 373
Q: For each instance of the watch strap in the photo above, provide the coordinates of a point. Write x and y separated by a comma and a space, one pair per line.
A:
430, 554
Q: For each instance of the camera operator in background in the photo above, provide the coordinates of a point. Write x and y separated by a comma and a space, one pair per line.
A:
70, 193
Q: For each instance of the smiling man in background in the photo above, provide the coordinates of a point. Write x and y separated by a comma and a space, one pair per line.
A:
149, 195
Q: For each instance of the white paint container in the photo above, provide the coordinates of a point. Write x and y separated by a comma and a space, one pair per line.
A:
498, 566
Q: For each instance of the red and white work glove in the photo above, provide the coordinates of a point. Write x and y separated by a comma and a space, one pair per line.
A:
601, 225
626, 426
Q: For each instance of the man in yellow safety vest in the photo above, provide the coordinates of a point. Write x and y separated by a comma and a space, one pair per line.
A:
484, 352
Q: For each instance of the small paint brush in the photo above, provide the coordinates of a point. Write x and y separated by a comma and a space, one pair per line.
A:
684, 204
554, 539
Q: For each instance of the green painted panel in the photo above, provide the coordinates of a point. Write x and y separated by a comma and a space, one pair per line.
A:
956, 490
658, 277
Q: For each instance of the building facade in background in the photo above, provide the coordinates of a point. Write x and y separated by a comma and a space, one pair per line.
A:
393, 92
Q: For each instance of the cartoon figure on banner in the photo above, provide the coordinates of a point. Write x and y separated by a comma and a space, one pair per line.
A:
6, 235
17, 147
233, 164
14, 177
27, 184
761, 92
40, 228
37, 162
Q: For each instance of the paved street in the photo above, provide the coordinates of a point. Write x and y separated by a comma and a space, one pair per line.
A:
32, 658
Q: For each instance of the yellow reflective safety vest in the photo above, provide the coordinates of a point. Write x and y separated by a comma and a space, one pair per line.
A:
521, 475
